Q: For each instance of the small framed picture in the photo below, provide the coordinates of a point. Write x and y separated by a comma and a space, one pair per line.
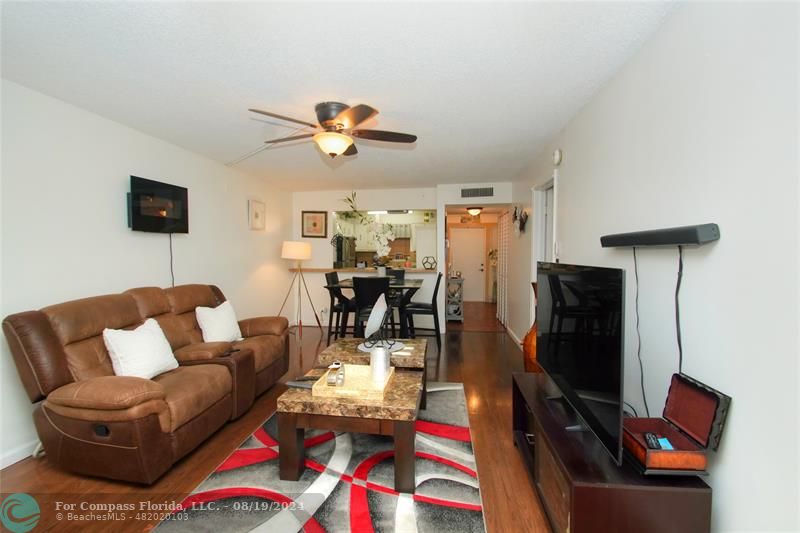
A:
315, 224
255, 213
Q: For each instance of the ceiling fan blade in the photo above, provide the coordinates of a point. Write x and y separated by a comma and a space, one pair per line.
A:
380, 135
351, 150
353, 116
282, 117
292, 138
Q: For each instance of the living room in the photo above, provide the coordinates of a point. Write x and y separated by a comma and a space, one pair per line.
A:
639, 115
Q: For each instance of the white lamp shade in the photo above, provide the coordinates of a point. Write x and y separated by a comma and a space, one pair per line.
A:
332, 143
299, 251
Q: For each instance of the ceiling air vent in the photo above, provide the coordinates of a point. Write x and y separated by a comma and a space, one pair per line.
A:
477, 191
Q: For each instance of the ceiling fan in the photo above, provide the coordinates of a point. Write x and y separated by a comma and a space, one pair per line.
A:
337, 122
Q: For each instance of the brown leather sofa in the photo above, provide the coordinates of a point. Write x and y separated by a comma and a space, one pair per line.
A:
93, 422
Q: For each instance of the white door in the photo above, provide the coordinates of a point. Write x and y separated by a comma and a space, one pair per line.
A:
549, 221
467, 251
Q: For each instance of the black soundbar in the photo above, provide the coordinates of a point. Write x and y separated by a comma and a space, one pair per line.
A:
684, 235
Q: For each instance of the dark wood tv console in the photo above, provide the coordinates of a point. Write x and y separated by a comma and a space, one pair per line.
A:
581, 488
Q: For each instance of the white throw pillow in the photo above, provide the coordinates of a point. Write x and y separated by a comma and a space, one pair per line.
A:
143, 352
219, 323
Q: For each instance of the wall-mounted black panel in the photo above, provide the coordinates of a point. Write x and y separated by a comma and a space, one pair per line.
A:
684, 235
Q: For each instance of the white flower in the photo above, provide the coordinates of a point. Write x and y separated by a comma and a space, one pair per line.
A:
381, 235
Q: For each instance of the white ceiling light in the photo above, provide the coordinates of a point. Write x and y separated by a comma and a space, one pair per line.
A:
474, 211
332, 143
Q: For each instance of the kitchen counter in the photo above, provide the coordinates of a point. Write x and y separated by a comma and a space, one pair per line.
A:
369, 270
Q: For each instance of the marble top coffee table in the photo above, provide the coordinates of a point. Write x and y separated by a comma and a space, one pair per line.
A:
412, 356
346, 351
393, 416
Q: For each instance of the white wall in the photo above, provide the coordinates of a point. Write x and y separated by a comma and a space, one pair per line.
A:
367, 200
321, 249
384, 199
520, 294
65, 173
701, 126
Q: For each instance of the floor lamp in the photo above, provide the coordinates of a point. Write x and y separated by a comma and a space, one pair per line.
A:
298, 251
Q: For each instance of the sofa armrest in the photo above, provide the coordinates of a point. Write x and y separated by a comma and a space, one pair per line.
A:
107, 393
263, 325
202, 351
241, 364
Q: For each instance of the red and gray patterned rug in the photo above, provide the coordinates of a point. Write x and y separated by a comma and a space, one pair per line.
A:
348, 484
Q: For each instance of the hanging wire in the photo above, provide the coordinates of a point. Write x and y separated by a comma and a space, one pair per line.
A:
639, 334
262, 148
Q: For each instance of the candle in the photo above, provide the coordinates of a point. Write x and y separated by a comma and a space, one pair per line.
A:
379, 365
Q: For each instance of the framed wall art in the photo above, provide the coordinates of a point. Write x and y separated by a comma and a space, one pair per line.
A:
256, 212
315, 224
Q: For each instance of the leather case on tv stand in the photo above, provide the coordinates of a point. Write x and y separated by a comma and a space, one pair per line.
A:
693, 420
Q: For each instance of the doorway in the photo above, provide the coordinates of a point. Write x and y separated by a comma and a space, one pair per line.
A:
473, 256
549, 221
545, 208
468, 250
545, 228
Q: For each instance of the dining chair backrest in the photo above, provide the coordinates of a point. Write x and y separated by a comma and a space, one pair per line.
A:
332, 278
369, 289
398, 274
556, 292
436, 288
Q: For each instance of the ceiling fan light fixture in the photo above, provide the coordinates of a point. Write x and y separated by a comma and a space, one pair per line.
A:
332, 143
474, 211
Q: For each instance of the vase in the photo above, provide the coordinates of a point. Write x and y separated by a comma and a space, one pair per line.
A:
529, 343
381, 271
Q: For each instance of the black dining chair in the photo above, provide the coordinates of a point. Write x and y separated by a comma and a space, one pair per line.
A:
584, 314
395, 296
399, 274
341, 306
368, 290
408, 310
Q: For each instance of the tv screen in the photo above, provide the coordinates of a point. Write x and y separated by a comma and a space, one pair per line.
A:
158, 207
579, 343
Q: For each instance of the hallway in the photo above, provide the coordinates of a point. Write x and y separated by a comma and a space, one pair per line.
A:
478, 316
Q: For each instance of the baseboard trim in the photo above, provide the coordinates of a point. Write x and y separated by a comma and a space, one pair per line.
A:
17, 454
514, 336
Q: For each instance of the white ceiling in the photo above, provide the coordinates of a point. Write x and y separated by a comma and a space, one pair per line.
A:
483, 85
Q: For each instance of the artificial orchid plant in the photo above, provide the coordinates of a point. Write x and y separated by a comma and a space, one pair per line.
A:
380, 233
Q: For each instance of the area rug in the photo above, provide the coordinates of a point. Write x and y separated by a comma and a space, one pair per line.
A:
348, 484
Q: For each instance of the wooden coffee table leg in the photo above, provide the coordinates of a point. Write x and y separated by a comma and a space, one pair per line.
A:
292, 452
404, 457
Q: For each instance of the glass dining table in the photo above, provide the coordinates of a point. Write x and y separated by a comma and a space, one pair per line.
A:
408, 287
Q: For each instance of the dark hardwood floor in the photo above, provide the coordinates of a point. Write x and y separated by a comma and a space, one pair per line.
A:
478, 316
483, 361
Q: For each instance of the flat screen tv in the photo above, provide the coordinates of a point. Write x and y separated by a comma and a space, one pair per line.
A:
158, 207
579, 343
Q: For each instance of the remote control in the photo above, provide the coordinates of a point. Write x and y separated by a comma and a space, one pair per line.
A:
652, 441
